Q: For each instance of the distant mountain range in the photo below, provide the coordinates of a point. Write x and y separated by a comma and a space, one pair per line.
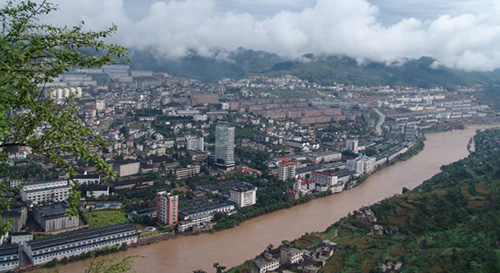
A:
319, 69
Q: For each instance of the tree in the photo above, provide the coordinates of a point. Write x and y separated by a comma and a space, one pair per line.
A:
219, 268
31, 55
107, 265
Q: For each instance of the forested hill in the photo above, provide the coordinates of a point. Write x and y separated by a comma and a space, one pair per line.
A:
324, 70
451, 223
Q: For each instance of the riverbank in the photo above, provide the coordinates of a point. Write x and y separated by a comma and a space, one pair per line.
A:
418, 230
232, 247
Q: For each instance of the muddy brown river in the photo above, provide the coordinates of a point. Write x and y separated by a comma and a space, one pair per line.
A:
234, 246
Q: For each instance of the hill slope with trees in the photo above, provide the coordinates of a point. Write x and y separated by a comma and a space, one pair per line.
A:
451, 223
319, 69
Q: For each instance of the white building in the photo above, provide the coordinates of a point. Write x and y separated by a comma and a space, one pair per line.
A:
264, 265
362, 165
195, 144
291, 255
326, 156
352, 144
324, 181
50, 191
244, 196
126, 167
287, 169
44, 250
9, 257
53, 217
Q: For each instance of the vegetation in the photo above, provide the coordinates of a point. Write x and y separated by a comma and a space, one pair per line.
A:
32, 54
101, 218
448, 224
270, 198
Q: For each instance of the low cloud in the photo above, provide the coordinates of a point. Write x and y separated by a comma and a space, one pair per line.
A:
353, 28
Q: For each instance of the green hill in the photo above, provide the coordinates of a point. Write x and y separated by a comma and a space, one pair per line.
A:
324, 69
451, 223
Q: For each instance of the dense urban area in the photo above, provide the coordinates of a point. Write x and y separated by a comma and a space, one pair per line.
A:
195, 157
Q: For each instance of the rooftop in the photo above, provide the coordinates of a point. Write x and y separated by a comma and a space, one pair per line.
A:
79, 236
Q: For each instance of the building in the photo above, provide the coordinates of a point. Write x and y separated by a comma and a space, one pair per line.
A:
362, 164
9, 257
137, 183
324, 181
126, 167
97, 191
21, 238
352, 144
264, 265
19, 217
195, 144
286, 169
195, 222
224, 145
243, 196
88, 179
75, 243
42, 192
167, 208
204, 209
291, 255
326, 156
189, 171
53, 217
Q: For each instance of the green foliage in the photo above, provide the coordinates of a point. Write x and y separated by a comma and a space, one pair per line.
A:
101, 218
451, 223
107, 265
31, 55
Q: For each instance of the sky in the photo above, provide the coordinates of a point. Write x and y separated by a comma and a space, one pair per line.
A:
461, 34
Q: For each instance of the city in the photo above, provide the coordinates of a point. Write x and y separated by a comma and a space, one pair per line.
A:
189, 156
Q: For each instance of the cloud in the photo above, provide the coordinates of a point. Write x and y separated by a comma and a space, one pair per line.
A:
355, 28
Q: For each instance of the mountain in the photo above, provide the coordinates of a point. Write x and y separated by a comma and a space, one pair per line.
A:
423, 72
235, 64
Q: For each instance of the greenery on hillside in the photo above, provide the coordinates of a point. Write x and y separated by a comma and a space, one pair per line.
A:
324, 70
451, 223
421, 72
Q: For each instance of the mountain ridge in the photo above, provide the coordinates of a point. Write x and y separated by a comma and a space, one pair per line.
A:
423, 72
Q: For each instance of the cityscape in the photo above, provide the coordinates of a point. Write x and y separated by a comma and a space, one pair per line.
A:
207, 136
197, 153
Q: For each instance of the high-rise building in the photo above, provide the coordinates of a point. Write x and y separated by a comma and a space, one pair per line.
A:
352, 144
286, 169
167, 208
224, 145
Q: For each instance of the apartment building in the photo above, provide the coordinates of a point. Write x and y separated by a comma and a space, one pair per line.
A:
167, 208
243, 196
9, 257
75, 243
41, 192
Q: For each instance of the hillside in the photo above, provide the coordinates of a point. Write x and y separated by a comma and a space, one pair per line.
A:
324, 69
451, 223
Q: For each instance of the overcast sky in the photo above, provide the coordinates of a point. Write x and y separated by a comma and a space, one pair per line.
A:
458, 33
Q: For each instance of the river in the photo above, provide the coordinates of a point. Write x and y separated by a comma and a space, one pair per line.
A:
234, 246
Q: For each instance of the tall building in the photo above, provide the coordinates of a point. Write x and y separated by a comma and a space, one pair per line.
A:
224, 145
286, 169
167, 208
352, 144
